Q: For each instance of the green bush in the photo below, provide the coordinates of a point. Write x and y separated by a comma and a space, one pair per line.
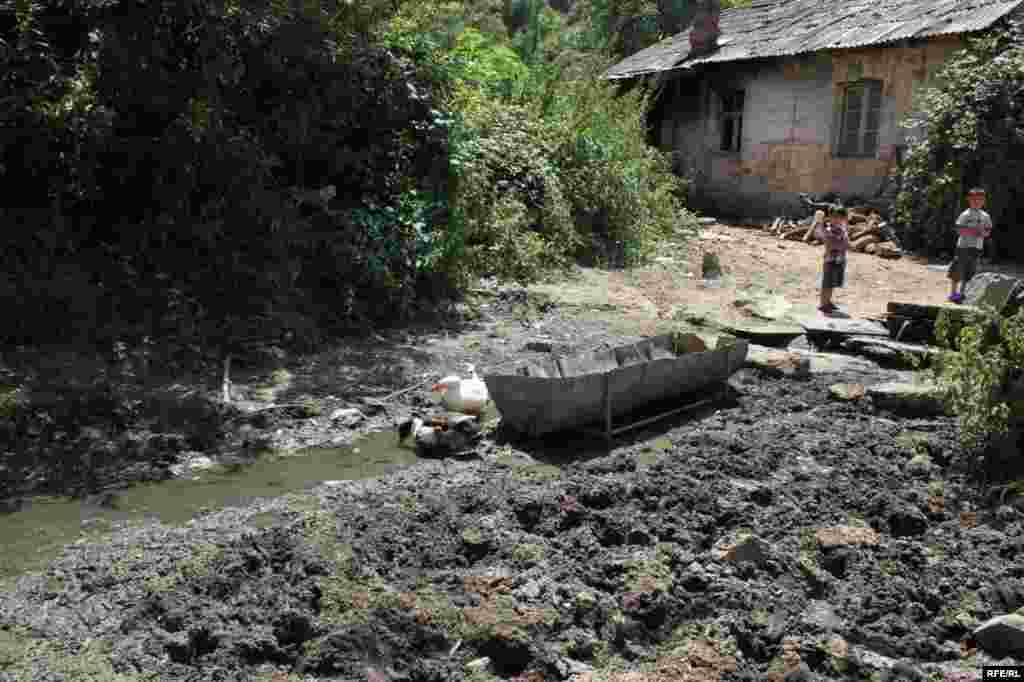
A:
624, 195
510, 212
969, 131
974, 377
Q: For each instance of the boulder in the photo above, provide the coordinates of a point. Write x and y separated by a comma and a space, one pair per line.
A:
922, 399
1002, 292
845, 536
800, 363
347, 416
1002, 635
847, 392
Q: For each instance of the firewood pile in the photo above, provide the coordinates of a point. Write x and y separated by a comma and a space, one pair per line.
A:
868, 234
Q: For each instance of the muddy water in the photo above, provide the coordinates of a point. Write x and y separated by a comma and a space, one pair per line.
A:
33, 535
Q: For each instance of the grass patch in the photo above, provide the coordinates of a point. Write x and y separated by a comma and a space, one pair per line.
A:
347, 597
913, 443
195, 566
528, 554
22, 656
648, 576
962, 613
535, 473
280, 377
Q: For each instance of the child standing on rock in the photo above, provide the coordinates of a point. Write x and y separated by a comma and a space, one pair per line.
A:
974, 226
833, 232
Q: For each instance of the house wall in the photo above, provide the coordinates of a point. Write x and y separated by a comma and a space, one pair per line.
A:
790, 124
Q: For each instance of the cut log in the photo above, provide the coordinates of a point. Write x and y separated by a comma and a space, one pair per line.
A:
888, 250
862, 243
864, 230
794, 234
857, 218
871, 249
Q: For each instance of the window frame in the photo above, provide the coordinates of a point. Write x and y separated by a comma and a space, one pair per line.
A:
731, 103
862, 141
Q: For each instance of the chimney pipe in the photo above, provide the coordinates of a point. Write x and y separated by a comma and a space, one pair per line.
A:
704, 32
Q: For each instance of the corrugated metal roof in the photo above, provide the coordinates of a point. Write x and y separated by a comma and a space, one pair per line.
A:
779, 28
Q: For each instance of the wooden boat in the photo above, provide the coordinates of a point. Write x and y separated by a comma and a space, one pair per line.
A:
539, 397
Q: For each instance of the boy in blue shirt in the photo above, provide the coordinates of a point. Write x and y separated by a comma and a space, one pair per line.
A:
974, 226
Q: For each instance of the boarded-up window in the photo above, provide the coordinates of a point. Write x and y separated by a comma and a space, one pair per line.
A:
861, 119
732, 120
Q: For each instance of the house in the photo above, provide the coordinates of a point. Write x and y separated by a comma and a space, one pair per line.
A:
787, 96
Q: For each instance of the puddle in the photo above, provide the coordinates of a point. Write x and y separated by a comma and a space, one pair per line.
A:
35, 534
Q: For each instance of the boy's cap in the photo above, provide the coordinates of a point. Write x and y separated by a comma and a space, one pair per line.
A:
837, 211
975, 192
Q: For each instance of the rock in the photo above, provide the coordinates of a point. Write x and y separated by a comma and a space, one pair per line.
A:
347, 416
711, 268
829, 327
888, 350
765, 333
568, 667
846, 391
538, 346
1002, 635
529, 590
821, 616
800, 363
479, 663
844, 536
192, 462
750, 549
1002, 292
781, 363
922, 399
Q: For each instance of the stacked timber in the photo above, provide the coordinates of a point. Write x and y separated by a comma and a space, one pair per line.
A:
866, 232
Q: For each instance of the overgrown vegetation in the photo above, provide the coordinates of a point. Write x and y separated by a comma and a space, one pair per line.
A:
218, 171
977, 376
970, 131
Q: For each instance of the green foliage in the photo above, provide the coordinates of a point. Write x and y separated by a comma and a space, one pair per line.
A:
969, 130
624, 195
974, 376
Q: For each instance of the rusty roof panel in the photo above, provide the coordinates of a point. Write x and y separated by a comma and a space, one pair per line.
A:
777, 28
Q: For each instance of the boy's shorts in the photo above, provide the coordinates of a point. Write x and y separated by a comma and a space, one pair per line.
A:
964, 265
833, 275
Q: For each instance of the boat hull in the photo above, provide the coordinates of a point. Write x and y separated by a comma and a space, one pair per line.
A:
554, 395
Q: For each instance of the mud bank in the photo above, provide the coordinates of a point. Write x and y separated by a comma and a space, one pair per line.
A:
781, 534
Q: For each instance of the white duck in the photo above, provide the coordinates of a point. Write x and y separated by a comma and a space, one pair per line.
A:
438, 441
468, 396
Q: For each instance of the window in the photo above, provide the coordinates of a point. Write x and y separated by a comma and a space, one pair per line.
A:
732, 120
861, 119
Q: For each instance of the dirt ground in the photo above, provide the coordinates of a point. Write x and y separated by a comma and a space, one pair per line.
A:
754, 260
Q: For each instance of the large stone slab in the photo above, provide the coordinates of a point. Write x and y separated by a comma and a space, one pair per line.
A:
805, 362
994, 289
888, 351
1002, 635
839, 327
914, 399
928, 311
764, 333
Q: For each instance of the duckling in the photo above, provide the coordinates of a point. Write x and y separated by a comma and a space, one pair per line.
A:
437, 441
467, 396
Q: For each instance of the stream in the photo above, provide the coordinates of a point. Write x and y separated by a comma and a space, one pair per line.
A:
35, 534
